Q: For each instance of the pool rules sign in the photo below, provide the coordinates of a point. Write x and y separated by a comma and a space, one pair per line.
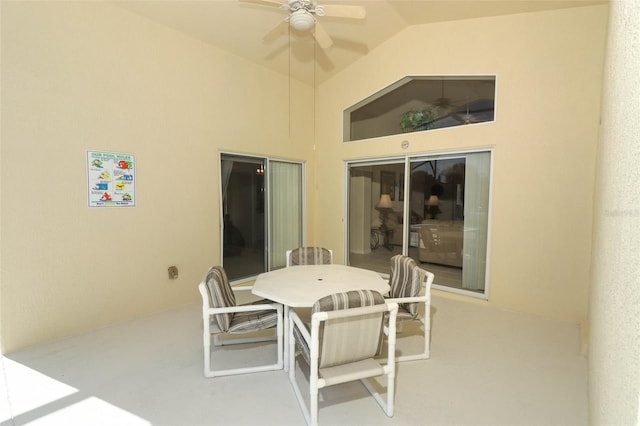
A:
111, 179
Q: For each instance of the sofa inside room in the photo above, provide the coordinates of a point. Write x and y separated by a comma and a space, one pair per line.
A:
438, 241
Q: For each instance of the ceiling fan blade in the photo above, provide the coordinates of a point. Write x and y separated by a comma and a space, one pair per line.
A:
344, 11
273, 3
323, 39
276, 32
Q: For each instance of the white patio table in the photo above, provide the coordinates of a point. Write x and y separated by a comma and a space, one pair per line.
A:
300, 286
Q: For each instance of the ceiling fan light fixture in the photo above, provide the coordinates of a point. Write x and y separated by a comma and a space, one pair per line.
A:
302, 20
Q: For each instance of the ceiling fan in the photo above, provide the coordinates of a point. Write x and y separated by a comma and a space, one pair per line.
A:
476, 112
302, 17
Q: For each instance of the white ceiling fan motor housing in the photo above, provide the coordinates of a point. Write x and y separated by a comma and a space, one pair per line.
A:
302, 20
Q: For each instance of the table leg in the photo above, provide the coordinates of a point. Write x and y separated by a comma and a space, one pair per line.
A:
285, 350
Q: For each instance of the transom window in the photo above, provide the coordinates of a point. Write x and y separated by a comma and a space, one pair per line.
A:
421, 103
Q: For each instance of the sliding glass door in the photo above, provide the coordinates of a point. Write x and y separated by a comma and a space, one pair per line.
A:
438, 216
376, 213
261, 208
285, 201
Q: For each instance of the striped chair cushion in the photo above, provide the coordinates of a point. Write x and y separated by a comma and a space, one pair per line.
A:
405, 281
347, 300
310, 256
220, 295
346, 340
256, 320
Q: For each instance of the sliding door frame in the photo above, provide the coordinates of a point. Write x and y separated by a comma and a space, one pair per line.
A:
269, 231
407, 159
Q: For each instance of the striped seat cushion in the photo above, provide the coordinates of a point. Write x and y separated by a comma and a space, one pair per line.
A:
406, 281
360, 339
310, 256
256, 320
221, 296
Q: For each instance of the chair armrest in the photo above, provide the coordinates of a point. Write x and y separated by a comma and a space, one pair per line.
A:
392, 307
413, 299
245, 308
342, 313
242, 288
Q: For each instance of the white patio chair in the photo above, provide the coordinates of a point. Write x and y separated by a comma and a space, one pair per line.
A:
309, 256
407, 280
221, 315
346, 334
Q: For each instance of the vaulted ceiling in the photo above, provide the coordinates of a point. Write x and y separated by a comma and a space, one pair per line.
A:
238, 27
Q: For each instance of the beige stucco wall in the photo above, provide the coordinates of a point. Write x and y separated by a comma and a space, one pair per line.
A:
85, 75
614, 350
78, 76
549, 70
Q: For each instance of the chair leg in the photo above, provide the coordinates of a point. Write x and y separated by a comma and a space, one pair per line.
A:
207, 354
291, 357
313, 394
391, 391
313, 406
390, 371
426, 323
210, 373
426, 327
423, 354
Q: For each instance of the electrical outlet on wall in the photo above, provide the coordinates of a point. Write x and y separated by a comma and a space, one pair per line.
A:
173, 272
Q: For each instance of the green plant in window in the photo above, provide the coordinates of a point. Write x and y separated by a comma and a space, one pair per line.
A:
417, 119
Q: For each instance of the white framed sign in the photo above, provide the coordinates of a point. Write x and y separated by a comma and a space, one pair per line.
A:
111, 179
